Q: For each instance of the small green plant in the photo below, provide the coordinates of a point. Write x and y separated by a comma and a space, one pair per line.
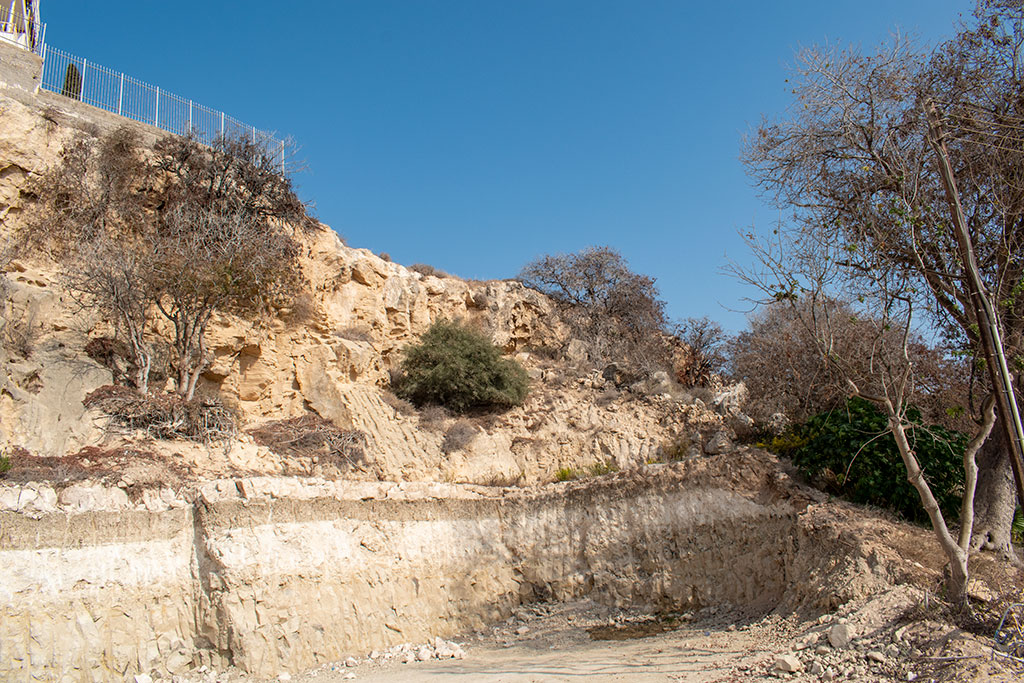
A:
459, 368
567, 474
851, 452
1017, 529
5, 464
675, 449
787, 442
605, 467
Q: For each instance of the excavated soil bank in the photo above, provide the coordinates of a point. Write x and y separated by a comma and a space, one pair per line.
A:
274, 575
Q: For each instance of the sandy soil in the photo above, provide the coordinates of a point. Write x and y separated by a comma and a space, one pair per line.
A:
566, 642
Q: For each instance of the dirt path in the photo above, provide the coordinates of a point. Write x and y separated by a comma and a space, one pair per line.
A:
583, 641
554, 644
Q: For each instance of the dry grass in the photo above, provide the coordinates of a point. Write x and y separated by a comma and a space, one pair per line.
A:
311, 436
93, 463
458, 436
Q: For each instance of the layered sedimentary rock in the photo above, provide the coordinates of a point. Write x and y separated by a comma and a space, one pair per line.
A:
273, 574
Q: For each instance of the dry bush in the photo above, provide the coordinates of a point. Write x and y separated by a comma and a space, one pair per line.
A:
701, 352
19, 332
164, 416
433, 417
615, 311
311, 436
458, 436
401, 406
425, 269
677, 448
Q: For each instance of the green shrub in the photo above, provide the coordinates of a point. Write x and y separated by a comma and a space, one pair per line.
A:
853, 454
5, 465
458, 368
566, 474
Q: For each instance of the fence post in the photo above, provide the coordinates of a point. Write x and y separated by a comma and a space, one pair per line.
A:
42, 70
282, 158
85, 63
120, 95
156, 114
222, 124
190, 117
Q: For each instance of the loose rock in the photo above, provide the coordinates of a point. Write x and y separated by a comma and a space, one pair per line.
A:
788, 664
840, 636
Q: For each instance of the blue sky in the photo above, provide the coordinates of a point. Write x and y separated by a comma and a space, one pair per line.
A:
476, 135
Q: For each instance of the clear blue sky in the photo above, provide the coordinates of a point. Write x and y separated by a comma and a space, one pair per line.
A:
476, 135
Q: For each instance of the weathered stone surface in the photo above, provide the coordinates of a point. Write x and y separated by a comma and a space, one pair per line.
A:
720, 443
788, 664
282, 574
840, 635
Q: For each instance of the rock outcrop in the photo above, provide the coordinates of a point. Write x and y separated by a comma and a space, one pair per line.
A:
279, 574
331, 355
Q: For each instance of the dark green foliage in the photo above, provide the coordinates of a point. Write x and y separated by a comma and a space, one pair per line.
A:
5, 465
853, 454
458, 368
72, 83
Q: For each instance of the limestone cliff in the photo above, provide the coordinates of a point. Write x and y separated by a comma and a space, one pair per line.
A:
333, 359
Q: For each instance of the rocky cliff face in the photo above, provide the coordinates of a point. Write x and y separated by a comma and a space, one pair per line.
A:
274, 574
332, 358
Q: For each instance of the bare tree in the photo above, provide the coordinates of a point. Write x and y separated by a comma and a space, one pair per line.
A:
802, 270
701, 353
91, 217
852, 161
184, 232
222, 241
118, 281
207, 261
777, 358
616, 311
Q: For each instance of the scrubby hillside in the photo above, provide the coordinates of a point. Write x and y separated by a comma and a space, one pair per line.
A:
309, 386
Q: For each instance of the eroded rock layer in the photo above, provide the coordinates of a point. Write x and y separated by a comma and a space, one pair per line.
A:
273, 574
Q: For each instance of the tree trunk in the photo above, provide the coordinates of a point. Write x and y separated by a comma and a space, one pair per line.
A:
956, 580
996, 498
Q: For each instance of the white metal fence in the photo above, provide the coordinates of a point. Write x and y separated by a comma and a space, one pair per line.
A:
120, 94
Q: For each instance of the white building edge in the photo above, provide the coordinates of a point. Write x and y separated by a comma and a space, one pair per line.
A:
20, 24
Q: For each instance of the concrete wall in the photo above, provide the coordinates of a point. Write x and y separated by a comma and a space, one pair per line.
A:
19, 69
274, 575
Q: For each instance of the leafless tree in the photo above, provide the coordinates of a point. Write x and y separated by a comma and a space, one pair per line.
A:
207, 261
616, 311
778, 359
222, 241
102, 273
701, 352
801, 270
91, 217
853, 163
183, 231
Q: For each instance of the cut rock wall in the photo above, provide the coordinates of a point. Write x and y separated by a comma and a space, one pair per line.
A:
280, 574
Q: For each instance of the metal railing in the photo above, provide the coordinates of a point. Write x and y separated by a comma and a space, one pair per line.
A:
113, 91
